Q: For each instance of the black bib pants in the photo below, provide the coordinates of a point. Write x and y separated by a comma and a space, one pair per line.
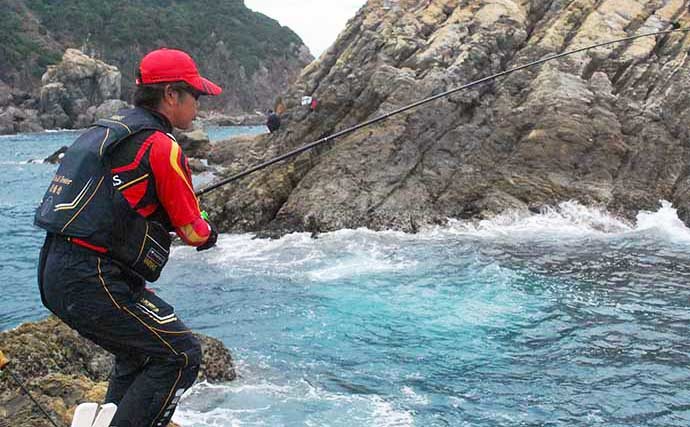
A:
156, 357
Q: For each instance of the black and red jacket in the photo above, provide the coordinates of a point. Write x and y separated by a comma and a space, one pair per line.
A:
147, 173
152, 173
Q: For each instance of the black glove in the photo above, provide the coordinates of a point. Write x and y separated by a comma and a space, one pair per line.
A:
212, 238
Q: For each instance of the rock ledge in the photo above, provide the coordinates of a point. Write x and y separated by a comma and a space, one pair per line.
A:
63, 369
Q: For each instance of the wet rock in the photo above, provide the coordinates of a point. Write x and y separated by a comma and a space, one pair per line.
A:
56, 119
607, 127
217, 365
216, 118
56, 156
238, 151
62, 369
194, 143
197, 165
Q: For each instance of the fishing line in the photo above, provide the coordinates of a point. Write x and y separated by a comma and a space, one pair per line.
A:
422, 102
4, 362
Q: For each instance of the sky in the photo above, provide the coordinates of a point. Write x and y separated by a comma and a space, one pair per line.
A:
317, 22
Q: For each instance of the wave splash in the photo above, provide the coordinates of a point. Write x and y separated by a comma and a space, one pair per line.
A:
352, 253
255, 403
572, 219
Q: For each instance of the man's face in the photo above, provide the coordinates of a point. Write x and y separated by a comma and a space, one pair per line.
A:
184, 109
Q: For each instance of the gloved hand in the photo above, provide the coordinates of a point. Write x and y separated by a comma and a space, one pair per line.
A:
212, 238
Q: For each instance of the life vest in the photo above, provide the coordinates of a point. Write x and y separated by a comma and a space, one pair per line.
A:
82, 204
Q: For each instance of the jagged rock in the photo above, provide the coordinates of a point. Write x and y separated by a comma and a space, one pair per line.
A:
62, 369
56, 156
237, 151
605, 127
55, 119
194, 143
6, 123
245, 91
107, 109
197, 165
31, 122
220, 119
13, 120
5, 94
74, 85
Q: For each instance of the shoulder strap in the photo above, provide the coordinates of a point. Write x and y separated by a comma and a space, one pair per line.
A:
124, 124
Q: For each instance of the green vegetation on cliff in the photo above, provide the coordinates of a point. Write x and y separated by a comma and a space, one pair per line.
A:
17, 45
34, 33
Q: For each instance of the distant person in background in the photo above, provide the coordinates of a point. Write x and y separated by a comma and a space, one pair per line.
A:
273, 121
280, 106
314, 104
102, 246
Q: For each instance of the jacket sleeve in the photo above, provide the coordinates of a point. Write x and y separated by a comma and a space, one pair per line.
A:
174, 190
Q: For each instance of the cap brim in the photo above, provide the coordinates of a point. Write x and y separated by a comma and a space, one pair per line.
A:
206, 86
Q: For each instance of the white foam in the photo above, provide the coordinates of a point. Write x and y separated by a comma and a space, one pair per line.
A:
22, 162
355, 252
351, 253
62, 130
260, 403
216, 417
413, 397
362, 264
386, 415
664, 222
567, 219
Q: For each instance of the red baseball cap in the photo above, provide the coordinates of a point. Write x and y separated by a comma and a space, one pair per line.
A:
171, 65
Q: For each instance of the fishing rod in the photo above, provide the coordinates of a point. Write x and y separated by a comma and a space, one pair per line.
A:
422, 102
4, 362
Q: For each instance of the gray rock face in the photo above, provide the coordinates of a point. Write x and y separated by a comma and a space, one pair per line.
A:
107, 109
245, 92
194, 143
78, 90
5, 94
607, 127
215, 118
13, 120
17, 111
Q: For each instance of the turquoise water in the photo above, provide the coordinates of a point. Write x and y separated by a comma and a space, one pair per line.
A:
568, 318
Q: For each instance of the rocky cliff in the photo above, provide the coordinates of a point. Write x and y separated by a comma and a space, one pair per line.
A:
79, 90
62, 370
74, 93
607, 127
247, 53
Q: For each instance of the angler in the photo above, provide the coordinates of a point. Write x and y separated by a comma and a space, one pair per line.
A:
120, 189
89, 275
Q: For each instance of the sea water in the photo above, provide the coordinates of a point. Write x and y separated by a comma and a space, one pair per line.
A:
571, 317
